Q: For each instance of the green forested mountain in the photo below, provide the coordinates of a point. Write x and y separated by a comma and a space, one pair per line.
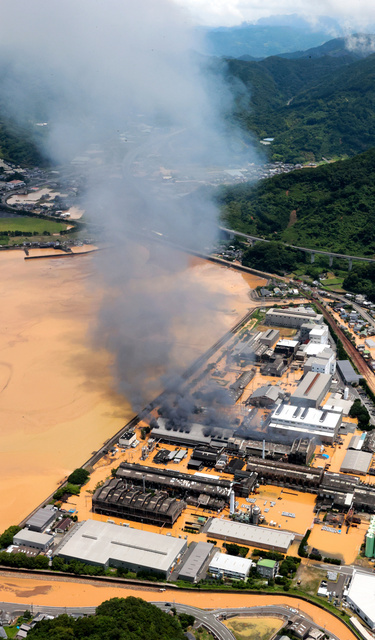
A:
117, 619
313, 108
359, 44
18, 145
330, 207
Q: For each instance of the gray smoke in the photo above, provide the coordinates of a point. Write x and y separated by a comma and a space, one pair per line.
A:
119, 82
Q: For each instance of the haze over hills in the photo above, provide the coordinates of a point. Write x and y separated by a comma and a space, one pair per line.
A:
328, 207
260, 41
360, 45
313, 108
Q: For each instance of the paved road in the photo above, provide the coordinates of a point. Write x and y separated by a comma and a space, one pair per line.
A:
209, 619
305, 249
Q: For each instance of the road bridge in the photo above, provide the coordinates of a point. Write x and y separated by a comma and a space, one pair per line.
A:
231, 233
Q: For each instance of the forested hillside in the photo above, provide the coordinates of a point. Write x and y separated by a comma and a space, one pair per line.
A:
330, 207
18, 145
313, 108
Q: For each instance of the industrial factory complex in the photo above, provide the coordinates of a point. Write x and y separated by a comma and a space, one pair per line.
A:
262, 422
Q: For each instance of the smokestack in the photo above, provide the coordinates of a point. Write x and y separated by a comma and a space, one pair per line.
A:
264, 450
232, 506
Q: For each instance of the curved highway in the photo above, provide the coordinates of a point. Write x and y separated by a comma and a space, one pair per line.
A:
210, 619
329, 254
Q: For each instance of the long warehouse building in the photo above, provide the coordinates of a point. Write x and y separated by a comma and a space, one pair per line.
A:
178, 484
311, 389
250, 535
116, 499
109, 545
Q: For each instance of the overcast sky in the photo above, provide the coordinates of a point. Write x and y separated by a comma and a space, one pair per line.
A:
356, 14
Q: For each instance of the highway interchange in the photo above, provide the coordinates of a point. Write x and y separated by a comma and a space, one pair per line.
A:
209, 619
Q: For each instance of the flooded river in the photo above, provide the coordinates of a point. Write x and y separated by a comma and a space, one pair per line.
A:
75, 593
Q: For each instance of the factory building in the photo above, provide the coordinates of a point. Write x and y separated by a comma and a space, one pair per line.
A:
302, 451
250, 535
361, 597
347, 373
312, 350
238, 387
267, 568
269, 337
338, 404
116, 499
357, 462
266, 396
285, 474
191, 435
109, 545
276, 367
208, 490
291, 420
206, 456
42, 518
286, 348
195, 561
292, 317
369, 443
33, 539
311, 390
127, 439
272, 450
319, 334
324, 362
339, 491
227, 566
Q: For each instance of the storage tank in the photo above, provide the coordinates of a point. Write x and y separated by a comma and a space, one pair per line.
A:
232, 503
255, 514
369, 552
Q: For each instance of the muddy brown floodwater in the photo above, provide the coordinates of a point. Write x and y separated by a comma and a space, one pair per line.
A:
57, 398
75, 593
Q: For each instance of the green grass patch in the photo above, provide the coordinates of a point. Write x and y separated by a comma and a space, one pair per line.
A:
11, 631
332, 281
29, 225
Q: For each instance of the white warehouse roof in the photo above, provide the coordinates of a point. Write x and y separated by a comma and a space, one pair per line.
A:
26, 536
251, 535
285, 342
234, 564
290, 417
101, 542
362, 595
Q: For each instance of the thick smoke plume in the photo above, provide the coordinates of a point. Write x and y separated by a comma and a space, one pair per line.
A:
119, 81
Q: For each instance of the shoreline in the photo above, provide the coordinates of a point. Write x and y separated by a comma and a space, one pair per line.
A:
133, 422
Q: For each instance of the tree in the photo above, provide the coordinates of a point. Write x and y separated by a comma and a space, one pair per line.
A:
79, 476
6, 537
359, 411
